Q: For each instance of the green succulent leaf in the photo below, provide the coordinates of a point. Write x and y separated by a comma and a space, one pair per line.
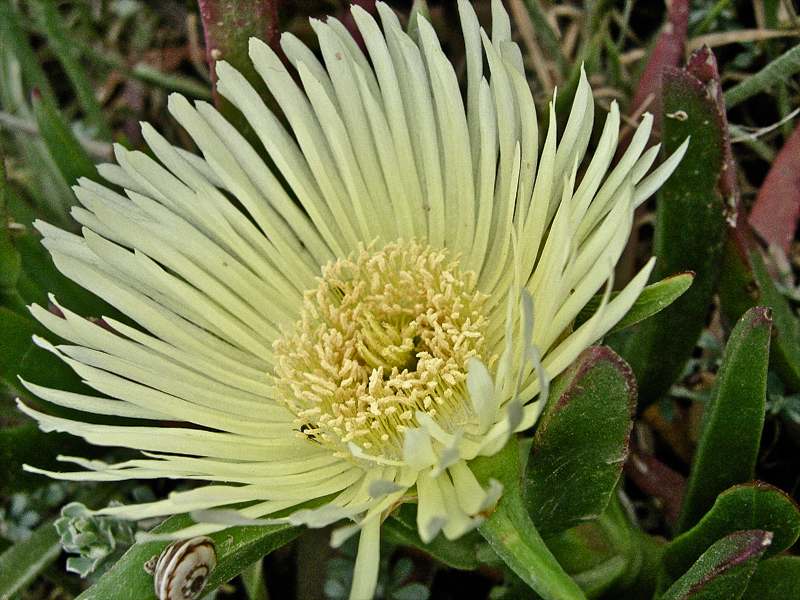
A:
731, 433
228, 27
722, 572
690, 232
653, 299
775, 579
237, 549
580, 443
744, 507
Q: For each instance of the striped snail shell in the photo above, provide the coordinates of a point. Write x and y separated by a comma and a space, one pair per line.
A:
181, 570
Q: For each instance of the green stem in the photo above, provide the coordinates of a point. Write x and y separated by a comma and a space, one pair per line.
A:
513, 536
511, 533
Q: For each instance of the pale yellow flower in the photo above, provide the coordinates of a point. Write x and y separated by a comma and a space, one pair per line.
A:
364, 328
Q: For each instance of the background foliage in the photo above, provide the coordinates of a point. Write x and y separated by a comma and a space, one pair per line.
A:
689, 493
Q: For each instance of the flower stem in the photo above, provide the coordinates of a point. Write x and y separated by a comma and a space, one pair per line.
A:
511, 533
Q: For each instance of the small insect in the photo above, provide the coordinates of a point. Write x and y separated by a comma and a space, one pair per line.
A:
181, 570
304, 429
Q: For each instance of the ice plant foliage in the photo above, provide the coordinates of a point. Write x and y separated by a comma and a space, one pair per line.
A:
363, 329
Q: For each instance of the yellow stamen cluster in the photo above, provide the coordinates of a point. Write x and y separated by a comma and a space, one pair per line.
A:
386, 334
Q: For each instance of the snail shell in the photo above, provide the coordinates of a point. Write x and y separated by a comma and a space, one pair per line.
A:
181, 570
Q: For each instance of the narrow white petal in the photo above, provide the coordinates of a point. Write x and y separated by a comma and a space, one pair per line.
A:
365, 572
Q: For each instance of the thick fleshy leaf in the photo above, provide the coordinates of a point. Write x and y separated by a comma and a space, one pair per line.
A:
24, 561
690, 229
731, 433
228, 27
750, 506
237, 548
581, 442
722, 572
654, 298
511, 534
775, 579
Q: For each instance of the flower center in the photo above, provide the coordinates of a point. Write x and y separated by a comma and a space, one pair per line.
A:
386, 334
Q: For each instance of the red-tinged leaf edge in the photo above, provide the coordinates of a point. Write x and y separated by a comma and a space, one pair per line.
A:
581, 442
228, 27
668, 52
703, 65
733, 558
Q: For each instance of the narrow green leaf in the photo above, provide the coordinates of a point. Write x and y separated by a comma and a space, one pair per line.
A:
10, 260
749, 506
653, 299
690, 232
744, 283
786, 323
722, 572
68, 54
731, 432
237, 549
780, 69
24, 561
581, 442
16, 42
69, 156
775, 579
513, 536
547, 36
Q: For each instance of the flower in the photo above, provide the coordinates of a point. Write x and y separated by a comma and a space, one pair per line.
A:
363, 329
